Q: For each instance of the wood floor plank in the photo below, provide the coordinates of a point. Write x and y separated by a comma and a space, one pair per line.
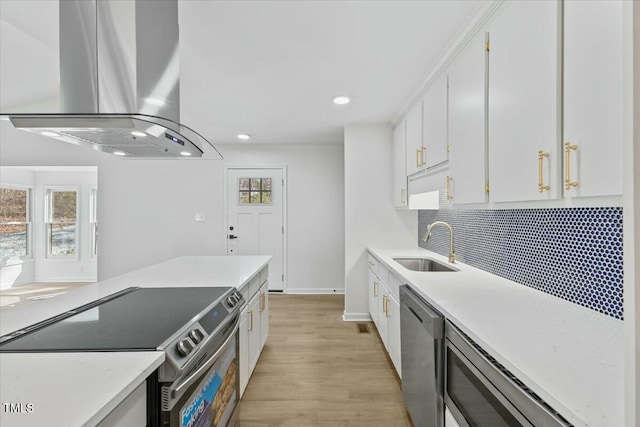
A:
317, 370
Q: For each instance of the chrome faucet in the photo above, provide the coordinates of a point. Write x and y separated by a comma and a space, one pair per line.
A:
427, 235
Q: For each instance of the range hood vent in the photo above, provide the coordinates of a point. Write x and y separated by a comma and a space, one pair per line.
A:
119, 82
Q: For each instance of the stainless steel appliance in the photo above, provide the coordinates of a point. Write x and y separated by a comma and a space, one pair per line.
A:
119, 82
480, 392
422, 335
197, 328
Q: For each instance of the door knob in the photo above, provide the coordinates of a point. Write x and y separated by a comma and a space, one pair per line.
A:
231, 236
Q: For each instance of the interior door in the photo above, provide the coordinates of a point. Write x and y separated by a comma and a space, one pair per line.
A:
255, 220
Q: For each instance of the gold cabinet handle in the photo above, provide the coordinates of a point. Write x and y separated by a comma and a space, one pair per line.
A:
250, 320
567, 165
424, 162
384, 304
449, 179
262, 302
375, 289
541, 186
418, 157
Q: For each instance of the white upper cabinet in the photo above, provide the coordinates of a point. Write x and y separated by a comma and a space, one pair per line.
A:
434, 123
399, 166
524, 69
467, 104
415, 151
593, 98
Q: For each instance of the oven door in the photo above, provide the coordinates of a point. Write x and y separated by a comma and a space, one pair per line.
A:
479, 392
210, 396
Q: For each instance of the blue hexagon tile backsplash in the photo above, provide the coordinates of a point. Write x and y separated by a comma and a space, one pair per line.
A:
572, 253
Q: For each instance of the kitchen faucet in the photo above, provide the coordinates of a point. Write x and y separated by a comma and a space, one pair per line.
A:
427, 235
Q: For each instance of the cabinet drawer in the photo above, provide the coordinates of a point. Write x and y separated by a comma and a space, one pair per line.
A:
264, 275
373, 264
383, 274
254, 286
393, 284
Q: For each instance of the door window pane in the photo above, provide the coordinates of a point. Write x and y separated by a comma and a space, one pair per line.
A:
255, 191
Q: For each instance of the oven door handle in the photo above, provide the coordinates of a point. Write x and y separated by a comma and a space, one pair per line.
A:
177, 390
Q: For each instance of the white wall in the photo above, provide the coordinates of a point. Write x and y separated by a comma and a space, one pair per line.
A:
370, 218
146, 207
315, 210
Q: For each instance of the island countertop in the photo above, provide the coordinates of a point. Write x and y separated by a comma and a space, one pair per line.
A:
80, 389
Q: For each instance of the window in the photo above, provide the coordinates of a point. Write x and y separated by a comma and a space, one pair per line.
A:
61, 222
15, 223
93, 221
255, 191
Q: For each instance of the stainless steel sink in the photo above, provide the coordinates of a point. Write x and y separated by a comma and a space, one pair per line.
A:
423, 264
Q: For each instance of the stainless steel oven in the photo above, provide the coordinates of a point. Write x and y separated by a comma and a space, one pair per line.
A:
196, 327
480, 392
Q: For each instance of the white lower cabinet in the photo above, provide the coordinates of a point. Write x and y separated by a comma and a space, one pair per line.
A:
384, 310
131, 412
254, 329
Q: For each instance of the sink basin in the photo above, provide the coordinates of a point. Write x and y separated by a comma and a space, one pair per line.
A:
423, 264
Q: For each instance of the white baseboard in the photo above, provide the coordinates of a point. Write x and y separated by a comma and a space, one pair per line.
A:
314, 291
356, 317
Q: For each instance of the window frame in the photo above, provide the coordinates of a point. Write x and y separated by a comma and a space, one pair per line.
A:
29, 223
261, 191
48, 212
93, 222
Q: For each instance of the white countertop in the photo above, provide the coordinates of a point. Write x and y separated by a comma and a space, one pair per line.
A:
78, 389
178, 272
569, 355
70, 389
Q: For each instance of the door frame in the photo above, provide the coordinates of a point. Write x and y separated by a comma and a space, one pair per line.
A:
285, 222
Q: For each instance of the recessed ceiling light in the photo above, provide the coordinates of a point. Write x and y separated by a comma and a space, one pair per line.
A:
155, 101
185, 153
119, 153
49, 133
244, 136
341, 100
138, 133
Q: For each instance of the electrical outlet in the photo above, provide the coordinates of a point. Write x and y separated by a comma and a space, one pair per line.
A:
200, 217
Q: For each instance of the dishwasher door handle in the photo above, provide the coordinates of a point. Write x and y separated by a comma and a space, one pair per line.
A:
432, 321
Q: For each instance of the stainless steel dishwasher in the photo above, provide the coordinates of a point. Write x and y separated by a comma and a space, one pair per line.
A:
422, 343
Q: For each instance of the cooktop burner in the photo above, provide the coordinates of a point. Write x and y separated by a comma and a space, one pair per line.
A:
139, 320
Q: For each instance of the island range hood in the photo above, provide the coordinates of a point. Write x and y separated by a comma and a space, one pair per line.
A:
119, 82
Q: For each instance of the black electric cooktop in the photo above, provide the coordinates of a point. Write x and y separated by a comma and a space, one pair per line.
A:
140, 319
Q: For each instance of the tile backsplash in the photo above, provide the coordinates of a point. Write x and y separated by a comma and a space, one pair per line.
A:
572, 253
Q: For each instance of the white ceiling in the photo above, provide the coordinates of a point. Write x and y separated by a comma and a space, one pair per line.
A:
268, 68
271, 68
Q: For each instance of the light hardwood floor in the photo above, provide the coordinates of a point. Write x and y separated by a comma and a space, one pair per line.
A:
317, 370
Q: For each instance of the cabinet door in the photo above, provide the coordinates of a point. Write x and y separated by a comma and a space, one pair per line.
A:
399, 195
415, 154
593, 97
382, 315
393, 333
264, 313
523, 102
467, 103
255, 342
244, 350
434, 123
373, 297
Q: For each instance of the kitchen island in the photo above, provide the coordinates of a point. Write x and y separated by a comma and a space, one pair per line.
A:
80, 389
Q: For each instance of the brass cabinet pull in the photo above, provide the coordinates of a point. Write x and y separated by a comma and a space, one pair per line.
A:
449, 179
418, 157
541, 186
250, 320
262, 302
384, 304
375, 289
424, 162
567, 165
